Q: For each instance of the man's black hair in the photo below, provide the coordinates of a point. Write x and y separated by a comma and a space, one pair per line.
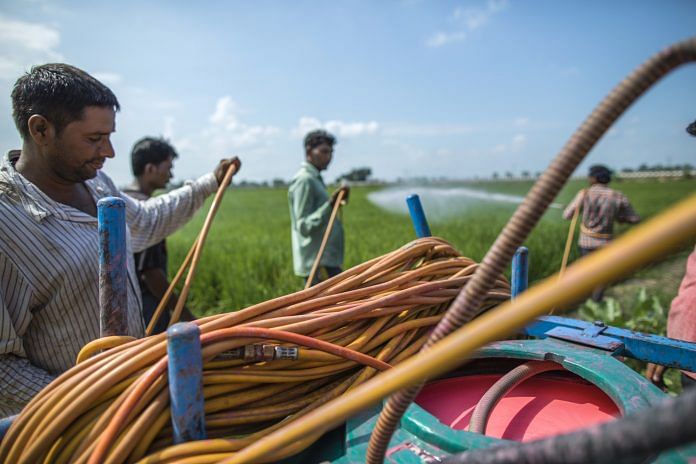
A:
318, 137
150, 150
60, 93
691, 129
601, 173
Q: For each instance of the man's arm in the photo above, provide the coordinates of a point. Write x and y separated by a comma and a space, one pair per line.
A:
153, 220
626, 212
307, 219
575, 204
19, 379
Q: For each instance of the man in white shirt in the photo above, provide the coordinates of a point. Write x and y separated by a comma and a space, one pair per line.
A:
49, 292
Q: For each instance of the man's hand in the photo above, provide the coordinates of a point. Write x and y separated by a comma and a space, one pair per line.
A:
222, 167
334, 196
654, 373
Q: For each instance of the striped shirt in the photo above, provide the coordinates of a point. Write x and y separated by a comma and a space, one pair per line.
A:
601, 207
49, 268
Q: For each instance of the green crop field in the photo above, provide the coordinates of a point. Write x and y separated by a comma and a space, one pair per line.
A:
247, 258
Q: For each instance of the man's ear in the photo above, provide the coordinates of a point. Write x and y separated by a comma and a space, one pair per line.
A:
40, 129
150, 169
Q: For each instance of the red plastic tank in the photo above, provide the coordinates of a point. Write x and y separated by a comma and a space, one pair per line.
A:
545, 405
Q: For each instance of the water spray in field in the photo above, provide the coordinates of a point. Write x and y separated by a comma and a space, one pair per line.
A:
443, 202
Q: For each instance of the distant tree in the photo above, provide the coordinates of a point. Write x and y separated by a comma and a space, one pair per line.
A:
525, 174
627, 170
643, 167
509, 175
356, 175
278, 183
495, 175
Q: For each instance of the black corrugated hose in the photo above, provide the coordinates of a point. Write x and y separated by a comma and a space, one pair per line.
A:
631, 439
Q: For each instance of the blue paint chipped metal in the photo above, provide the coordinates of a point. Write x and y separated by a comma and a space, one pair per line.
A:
186, 382
420, 223
113, 259
622, 342
520, 271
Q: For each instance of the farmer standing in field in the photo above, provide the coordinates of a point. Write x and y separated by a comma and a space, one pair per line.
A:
310, 209
601, 206
49, 260
152, 161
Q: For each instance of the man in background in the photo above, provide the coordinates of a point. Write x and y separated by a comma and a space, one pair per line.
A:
310, 210
601, 207
152, 161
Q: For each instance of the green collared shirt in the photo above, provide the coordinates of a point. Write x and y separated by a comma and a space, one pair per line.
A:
309, 216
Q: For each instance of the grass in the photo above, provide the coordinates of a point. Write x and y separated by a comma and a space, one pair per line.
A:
248, 259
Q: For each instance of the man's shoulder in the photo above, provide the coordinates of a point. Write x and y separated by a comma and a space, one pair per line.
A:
134, 193
103, 184
302, 177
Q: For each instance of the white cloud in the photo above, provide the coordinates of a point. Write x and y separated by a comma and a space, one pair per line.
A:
466, 20
442, 38
339, 128
521, 122
518, 140
517, 143
108, 78
228, 132
23, 44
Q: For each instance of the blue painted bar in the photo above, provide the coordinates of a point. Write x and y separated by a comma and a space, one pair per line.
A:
186, 382
520, 271
420, 223
113, 271
5, 424
650, 348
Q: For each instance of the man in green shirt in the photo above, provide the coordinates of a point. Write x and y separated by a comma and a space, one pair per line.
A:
310, 209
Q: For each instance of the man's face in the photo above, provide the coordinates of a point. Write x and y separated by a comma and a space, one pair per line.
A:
320, 156
161, 173
82, 147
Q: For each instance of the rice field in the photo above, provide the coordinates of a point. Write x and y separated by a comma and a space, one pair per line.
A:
248, 258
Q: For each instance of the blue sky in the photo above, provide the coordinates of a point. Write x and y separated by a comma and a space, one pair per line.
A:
411, 88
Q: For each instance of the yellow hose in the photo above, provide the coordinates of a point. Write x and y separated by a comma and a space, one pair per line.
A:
100, 344
382, 308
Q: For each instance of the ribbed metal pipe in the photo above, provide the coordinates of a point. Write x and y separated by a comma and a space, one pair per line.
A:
466, 306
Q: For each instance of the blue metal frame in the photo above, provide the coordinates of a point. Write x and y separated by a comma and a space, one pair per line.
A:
186, 382
621, 342
113, 271
420, 223
520, 271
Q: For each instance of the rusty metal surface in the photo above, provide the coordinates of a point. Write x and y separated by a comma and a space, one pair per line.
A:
113, 272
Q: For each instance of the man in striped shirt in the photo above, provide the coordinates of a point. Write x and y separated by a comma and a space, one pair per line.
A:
49, 292
601, 207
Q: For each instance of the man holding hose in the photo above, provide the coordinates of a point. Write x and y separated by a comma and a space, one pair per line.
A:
49, 264
601, 206
310, 211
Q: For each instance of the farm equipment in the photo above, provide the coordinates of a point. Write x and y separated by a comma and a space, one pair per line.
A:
170, 398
